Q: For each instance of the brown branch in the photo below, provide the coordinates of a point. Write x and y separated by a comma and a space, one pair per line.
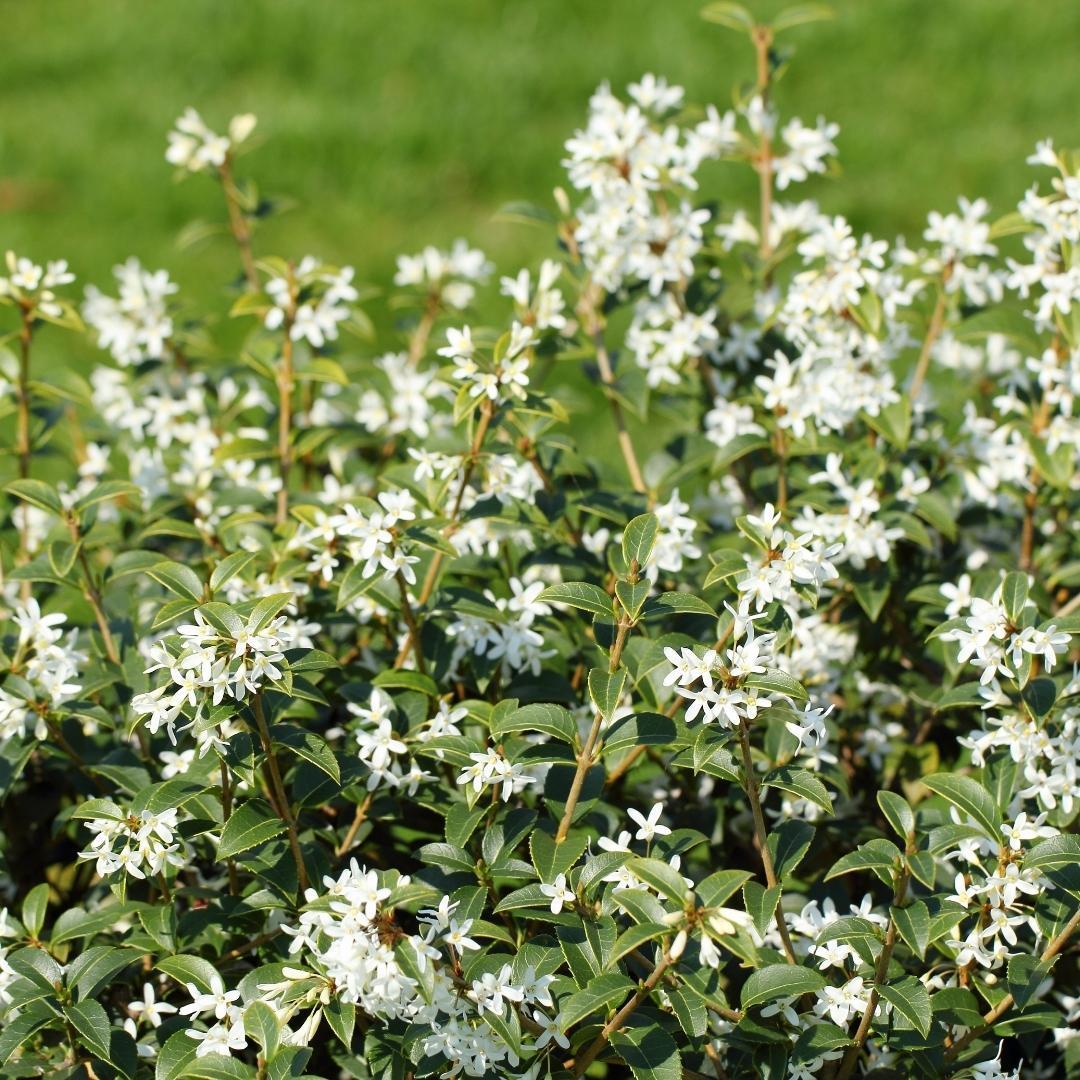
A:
238, 223
754, 795
1008, 1000
579, 1064
283, 809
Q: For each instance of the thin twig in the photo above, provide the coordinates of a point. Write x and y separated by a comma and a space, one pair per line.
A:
590, 746
754, 795
238, 222
585, 1059
1008, 1000
283, 809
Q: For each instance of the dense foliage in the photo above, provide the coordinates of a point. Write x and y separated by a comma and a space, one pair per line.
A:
354, 721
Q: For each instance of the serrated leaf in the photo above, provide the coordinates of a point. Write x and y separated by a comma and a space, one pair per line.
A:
540, 717
309, 746
599, 996
912, 1000
249, 825
91, 1022
606, 690
649, 1051
913, 922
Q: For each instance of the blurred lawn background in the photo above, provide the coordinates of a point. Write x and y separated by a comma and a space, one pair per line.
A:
395, 123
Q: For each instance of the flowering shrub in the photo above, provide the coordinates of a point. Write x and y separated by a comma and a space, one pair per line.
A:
355, 721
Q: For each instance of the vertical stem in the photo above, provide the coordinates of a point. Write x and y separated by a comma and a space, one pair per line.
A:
93, 596
933, 332
762, 42
238, 223
285, 391
754, 795
418, 341
283, 808
588, 749
487, 411
358, 819
607, 375
410, 622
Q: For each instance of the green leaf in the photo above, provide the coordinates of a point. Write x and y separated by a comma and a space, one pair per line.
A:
788, 844
178, 1050
780, 981
632, 596
267, 609
678, 603
720, 886
261, 1024
606, 690
801, 14
881, 856
761, 904
1025, 975
37, 493
109, 489
75, 922
910, 998
778, 682
913, 922
726, 563
309, 746
540, 717
96, 966
601, 994
639, 729
893, 423
898, 813
639, 539
552, 859
1054, 853
177, 578
341, 1016
91, 1022
217, 1067
725, 13
801, 783
34, 908
19, 1031
579, 594
189, 969
1014, 594
406, 680
251, 824
230, 567
649, 1051
969, 797
658, 875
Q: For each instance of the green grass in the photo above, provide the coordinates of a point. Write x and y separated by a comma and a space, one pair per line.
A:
395, 123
